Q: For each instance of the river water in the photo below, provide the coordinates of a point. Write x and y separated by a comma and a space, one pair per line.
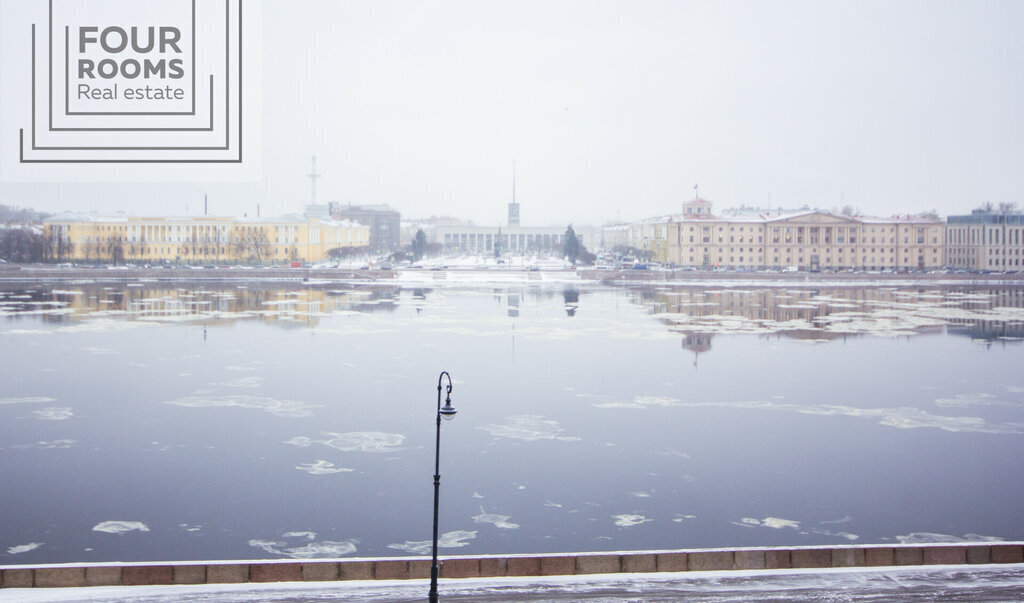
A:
149, 422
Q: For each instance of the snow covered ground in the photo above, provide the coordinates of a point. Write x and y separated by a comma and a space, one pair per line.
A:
919, 583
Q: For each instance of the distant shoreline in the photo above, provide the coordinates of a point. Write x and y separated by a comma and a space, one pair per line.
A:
41, 273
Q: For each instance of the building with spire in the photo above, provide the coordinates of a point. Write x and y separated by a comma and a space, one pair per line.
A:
513, 237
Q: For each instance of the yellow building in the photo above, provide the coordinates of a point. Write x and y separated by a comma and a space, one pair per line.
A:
810, 240
199, 240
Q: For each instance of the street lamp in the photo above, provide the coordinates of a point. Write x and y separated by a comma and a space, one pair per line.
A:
448, 412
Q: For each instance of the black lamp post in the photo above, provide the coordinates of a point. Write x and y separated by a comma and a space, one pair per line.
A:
448, 412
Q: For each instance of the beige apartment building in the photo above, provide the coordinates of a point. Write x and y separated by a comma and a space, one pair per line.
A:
985, 241
199, 240
808, 240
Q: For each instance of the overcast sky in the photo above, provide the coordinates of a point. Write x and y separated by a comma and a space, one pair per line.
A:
617, 109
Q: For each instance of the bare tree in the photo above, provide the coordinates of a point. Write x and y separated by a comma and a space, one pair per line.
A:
115, 247
60, 247
1007, 208
252, 244
987, 207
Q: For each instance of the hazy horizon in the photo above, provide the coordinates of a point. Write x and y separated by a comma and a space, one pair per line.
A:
615, 111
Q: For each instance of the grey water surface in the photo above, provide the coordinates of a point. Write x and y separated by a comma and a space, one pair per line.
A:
153, 422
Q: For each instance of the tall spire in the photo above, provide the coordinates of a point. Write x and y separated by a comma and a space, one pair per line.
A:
312, 179
513, 207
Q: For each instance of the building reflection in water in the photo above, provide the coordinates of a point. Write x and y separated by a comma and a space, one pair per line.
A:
274, 303
991, 314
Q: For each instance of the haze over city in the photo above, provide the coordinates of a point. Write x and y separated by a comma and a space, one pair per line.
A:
612, 110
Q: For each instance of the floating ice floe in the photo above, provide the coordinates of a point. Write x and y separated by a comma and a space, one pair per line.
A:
628, 520
968, 400
101, 325
901, 417
354, 441
190, 528
26, 400
23, 548
322, 467
54, 414
56, 444
499, 521
769, 522
117, 527
529, 428
311, 550
244, 382
930, 537
280, 408
448, 540
640, 402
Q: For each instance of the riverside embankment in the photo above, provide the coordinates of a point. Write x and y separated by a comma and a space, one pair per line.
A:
494, 566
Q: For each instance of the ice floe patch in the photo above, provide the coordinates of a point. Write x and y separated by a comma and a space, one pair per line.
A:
846, 535
628, 520
190, 528
932, 537
118, 527
969, 400
448, 540
46, 445
355, 441
641, 494
26, 400
322, 467
768, 522
900, 417
499, 521
529, 428
54, 414
103, 325
280, 408
641, 402
23, 548
244, 382
309, 550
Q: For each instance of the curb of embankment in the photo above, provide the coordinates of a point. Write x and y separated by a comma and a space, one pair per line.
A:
489, 566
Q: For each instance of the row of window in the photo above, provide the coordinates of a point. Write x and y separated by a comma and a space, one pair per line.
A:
799, 261
839, 251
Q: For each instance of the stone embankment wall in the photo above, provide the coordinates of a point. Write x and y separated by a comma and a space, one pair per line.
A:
33, 273
630, 276
114, 574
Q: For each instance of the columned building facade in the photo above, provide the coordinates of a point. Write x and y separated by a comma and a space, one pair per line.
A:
199, 240
812, 240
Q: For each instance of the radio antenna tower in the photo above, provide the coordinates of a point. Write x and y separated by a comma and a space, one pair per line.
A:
312, 180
